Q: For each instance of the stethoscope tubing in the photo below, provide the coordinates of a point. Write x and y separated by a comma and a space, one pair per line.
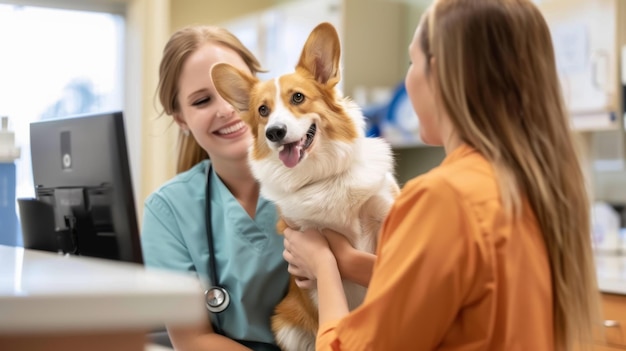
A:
216, 291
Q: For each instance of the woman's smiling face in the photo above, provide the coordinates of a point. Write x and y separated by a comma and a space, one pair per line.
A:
213, 122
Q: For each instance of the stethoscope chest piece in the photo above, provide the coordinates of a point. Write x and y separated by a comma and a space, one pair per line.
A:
216, 299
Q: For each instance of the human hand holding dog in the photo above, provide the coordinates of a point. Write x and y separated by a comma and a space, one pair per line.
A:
353, 265
309, 256
304, 252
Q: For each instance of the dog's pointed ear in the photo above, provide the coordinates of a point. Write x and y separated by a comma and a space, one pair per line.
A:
233, 85
321, 53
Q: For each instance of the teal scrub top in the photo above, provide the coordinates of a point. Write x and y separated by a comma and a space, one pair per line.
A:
248, 251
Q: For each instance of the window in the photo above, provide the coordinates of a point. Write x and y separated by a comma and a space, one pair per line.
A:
56, 63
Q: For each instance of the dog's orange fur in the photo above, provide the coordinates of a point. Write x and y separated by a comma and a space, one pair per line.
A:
296, 309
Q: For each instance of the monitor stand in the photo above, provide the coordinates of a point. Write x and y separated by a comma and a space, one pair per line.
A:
73, 221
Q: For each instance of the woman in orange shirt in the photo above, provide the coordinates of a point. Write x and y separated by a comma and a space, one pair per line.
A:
491, 250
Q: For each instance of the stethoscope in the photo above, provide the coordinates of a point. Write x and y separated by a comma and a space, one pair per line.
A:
216, 297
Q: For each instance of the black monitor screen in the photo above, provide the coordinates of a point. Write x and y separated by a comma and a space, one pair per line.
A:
81, 172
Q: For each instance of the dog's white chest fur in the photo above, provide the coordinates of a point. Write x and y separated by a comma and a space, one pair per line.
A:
353, 200
335, 201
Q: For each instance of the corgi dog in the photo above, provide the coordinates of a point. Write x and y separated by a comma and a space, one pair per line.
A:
312, 159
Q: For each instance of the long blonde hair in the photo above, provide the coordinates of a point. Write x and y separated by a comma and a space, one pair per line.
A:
180, 46
498, 82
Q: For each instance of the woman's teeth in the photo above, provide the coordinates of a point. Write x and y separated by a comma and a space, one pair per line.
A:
231, 129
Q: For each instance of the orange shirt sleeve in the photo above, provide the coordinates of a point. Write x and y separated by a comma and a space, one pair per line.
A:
428, 259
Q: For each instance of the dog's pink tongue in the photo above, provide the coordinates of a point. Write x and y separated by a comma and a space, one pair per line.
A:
290, 154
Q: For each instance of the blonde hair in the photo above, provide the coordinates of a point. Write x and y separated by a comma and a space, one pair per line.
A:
498, 82
180, 46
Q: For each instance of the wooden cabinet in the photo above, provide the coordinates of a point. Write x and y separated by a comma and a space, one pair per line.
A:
611, 336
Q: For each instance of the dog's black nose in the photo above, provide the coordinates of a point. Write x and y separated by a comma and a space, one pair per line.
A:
276, 132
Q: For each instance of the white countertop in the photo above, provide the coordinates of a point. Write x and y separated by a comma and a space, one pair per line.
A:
47, 292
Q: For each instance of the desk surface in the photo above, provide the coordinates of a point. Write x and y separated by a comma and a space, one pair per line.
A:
47, 292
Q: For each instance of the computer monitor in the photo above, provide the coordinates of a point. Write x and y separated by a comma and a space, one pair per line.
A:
82, 178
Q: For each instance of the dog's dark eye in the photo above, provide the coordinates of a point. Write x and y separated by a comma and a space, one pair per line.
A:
297, 98
264, 111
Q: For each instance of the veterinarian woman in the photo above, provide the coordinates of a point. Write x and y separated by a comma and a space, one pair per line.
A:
490, 250
178, 233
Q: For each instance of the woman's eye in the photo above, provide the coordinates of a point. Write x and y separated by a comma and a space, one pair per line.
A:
297, 98
201, 101
264, 111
